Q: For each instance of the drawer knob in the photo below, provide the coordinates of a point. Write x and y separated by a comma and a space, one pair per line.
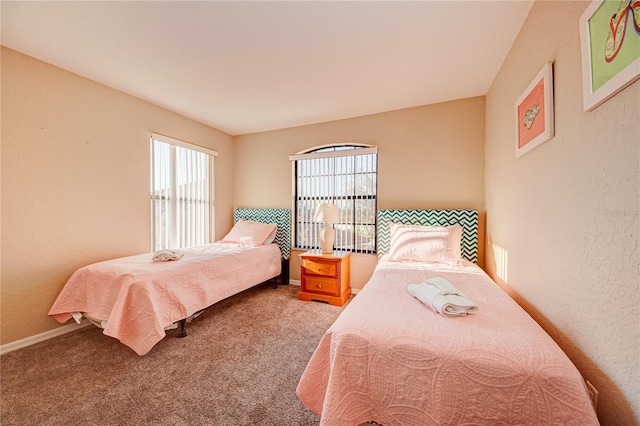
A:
319, 286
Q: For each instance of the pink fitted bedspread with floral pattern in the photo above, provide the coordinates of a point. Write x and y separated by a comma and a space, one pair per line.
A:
138, 297
391, 359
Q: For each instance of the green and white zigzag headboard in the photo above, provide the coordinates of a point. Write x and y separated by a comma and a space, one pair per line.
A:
281, 217
468, 219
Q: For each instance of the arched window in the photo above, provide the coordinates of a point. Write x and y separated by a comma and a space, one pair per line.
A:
345, 175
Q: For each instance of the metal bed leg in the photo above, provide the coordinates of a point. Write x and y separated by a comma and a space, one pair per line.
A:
183, 332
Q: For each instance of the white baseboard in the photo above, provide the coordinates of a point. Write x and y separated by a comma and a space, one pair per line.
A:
28, 341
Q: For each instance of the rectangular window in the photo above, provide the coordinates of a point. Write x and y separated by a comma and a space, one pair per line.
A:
341, 175
181, 194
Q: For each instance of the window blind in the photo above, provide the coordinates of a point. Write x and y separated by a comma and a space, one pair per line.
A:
341, 175
181, 193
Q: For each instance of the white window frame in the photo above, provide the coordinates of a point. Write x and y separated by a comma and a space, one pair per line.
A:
306, 238
203, 231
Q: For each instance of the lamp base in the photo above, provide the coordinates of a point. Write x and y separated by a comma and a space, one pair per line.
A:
327, 237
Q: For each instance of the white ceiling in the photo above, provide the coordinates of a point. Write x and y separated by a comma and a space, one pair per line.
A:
245, 67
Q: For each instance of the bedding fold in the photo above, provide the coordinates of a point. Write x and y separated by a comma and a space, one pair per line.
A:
166, 255
442, 297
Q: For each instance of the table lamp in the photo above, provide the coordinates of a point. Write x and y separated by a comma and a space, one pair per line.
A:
327, 214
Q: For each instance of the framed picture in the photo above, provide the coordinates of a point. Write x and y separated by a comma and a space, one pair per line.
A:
534, 112
610, 40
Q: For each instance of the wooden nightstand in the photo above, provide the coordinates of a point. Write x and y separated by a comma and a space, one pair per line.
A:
325, 277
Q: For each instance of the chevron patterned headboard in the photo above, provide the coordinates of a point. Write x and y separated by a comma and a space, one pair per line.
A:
468, 219
282, 217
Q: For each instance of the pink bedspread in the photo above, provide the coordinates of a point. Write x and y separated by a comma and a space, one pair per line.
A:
139, 297
390, 359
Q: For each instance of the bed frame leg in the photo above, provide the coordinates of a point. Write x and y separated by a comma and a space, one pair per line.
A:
183, 332
284, 274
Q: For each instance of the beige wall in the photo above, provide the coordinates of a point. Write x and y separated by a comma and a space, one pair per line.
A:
75, 181
428, 157
567, 212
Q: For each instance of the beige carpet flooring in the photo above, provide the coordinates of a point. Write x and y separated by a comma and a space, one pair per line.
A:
239, 365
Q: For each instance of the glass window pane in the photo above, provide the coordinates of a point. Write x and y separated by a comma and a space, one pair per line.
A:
349, 182
181, 196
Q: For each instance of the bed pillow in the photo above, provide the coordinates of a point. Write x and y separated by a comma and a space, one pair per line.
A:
425, 243
258, 232
272, 236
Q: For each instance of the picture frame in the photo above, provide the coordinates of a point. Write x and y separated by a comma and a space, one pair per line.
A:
534, 112
610, 49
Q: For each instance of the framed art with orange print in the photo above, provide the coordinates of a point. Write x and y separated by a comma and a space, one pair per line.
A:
534, 112
610, 44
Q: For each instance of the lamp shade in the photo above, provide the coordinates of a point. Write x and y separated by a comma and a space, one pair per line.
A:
327, 213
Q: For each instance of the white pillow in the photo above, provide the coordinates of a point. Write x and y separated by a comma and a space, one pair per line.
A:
426, 243
244, 229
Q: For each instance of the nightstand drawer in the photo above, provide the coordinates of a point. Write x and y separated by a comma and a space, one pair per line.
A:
321, 285
325, 269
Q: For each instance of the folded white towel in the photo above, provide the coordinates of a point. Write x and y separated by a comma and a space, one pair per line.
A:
166, 255
441, 296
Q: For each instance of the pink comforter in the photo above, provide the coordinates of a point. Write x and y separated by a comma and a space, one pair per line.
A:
138, 297
390, 359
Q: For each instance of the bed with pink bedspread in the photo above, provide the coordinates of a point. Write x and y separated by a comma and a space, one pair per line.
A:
389, 358
135, 298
